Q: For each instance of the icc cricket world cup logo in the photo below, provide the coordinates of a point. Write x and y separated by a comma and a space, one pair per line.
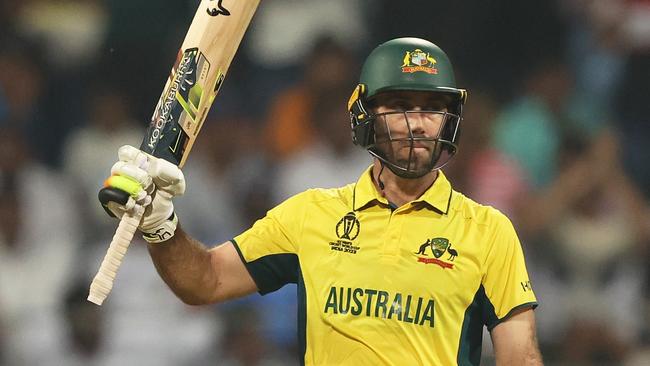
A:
348, 227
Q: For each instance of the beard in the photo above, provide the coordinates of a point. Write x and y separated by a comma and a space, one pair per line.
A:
412, 151
414, 157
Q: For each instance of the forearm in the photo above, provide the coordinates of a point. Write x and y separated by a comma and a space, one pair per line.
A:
186, 266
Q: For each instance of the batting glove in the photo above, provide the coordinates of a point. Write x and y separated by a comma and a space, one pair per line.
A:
140, 181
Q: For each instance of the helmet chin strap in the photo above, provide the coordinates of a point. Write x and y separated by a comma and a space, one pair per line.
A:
381, 184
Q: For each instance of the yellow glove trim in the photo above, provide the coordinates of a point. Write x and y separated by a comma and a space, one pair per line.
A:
126, 184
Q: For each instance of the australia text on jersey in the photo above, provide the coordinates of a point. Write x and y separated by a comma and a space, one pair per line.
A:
380, 304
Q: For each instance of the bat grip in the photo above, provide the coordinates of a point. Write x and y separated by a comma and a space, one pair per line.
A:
103, 281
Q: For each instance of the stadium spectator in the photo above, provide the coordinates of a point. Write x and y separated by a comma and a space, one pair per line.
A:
39, 236
330, 160
328, 67
88, 149
485, 173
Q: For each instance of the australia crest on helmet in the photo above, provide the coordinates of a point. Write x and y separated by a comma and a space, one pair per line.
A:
418, 61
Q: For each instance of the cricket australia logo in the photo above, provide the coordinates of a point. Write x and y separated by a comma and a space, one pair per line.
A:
347, 229
218, 9
418, 60
438, 246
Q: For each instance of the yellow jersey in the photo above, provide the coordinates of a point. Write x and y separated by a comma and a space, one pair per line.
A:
379, 285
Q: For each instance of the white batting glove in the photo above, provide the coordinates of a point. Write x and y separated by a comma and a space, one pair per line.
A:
151, 183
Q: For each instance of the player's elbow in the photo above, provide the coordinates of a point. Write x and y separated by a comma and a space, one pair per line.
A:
202, 295
194, 300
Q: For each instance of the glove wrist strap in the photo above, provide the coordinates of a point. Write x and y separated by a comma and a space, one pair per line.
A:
163, 232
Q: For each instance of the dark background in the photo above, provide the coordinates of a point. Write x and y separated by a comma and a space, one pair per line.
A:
555, 135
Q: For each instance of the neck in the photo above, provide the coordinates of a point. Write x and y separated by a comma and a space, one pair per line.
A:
398, 190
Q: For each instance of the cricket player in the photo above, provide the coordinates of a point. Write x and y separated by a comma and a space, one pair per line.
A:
396, 268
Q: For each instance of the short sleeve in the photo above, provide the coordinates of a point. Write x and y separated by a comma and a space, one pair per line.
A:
505, 278
269, 248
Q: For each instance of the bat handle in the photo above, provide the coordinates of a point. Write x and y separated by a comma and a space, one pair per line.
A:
103, 281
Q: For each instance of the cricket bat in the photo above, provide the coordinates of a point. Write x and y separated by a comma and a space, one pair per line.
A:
201, 66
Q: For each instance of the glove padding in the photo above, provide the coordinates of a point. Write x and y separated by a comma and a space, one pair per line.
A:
151, 184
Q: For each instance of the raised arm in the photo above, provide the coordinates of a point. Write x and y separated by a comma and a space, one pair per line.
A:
515, 342
198, 275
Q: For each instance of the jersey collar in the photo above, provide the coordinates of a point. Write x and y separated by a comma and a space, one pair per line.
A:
438, 196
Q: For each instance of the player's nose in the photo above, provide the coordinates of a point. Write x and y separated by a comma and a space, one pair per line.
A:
417, 122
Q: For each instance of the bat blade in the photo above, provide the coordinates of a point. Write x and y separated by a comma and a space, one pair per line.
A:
201, 66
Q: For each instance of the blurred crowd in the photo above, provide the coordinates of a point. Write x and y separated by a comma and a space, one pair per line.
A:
556, 134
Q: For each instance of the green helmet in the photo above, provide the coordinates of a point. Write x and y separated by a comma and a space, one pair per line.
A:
407, 64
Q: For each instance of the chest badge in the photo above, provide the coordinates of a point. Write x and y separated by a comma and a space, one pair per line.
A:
347, 229
439, 247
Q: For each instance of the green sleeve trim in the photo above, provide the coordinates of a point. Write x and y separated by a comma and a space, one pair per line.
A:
302, 318
532, 305
479, 313
271, 272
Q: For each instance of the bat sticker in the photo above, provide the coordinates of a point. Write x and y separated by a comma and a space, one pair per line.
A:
219, 9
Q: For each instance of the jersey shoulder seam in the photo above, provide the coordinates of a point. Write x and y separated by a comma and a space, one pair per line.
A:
481, 214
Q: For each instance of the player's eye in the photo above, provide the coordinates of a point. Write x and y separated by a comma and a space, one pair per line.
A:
400, 105
436, 106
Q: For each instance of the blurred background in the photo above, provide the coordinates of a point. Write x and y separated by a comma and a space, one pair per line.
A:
556, 134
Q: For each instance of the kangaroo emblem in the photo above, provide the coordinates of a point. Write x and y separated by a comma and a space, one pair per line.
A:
219, 9
424, 247
407, 59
